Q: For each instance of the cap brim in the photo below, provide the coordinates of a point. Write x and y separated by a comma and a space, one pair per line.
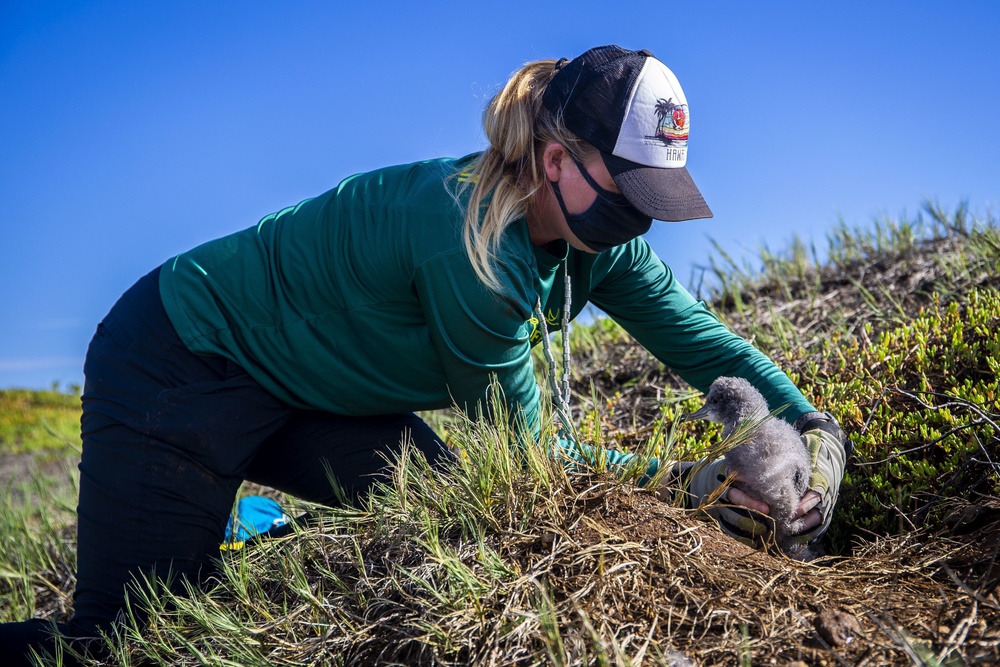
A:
662, 193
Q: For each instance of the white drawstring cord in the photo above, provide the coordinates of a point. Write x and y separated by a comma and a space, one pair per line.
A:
559, 395
568, 302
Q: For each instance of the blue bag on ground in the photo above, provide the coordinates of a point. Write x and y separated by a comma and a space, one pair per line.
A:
253, 515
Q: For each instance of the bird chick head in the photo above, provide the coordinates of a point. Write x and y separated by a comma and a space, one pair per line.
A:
730, 400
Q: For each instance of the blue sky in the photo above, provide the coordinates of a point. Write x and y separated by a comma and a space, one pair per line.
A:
131, 131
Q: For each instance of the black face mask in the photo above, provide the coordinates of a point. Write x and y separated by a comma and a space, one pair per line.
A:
611, 220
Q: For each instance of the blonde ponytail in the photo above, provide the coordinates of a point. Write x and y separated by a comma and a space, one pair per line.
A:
509, 173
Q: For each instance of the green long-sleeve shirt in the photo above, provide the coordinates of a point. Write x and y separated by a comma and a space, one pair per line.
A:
363, 301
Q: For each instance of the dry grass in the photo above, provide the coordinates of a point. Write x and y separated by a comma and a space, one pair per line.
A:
508, 558
603, 573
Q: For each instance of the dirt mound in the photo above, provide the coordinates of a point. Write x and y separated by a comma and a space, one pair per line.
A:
648, 570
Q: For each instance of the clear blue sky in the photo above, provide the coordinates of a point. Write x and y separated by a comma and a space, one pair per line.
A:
131, 131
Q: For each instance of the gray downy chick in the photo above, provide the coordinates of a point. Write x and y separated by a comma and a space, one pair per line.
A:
773, 462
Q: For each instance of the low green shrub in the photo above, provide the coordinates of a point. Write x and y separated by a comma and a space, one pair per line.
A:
920, 404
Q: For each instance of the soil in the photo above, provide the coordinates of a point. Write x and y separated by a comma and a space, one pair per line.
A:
892, 602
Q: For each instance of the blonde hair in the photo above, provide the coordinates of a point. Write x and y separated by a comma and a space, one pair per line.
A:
509, 173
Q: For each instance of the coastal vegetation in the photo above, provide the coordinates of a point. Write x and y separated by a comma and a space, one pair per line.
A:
509, 557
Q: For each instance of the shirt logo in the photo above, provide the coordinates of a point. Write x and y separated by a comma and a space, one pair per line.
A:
467, 176
553, 318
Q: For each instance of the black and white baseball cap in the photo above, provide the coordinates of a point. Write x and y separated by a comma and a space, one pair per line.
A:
630, 106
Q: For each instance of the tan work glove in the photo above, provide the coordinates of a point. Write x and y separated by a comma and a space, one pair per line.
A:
704, 479
828, 452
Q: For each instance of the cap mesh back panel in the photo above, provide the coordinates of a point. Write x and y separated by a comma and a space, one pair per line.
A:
592, 91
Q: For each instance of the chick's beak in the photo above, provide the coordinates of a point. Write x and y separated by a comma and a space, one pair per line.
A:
700, 414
